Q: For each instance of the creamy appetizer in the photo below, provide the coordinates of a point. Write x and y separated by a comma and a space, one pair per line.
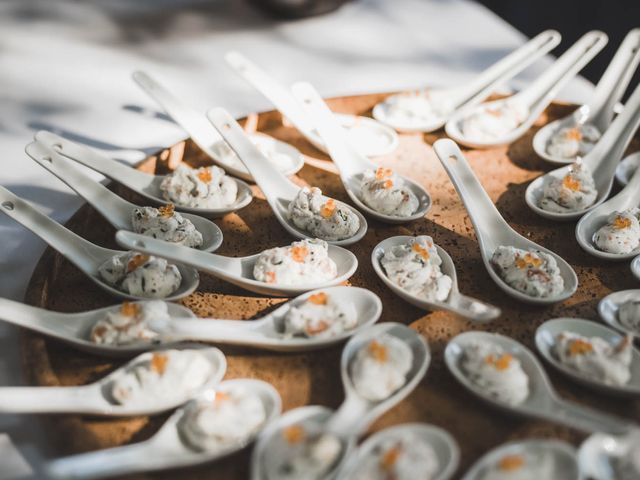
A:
411, 110
380, 367
233, 417
595, 358
130, 324
494, 121
165, 224
522, 467
415, 267
627, 465
533, 273
168, 375
320, 316
141, 275
303, 262
621, 233
574, 192
498, 373
629, 315
400, 458
322, 217
206, 187
386, 193
572, 142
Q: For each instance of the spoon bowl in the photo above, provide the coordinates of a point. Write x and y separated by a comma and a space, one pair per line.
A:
609, 307
627, 168
599, 454
457, 303
635, 267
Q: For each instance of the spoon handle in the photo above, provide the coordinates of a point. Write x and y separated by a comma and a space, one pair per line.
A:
34, 318
84, 254
351, 419
542, 91
115, 209
234, 332
48, 399
473, 309
348, 160
271, 181
586, 419
615, 79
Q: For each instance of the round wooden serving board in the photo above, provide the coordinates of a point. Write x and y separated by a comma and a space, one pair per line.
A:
313, 378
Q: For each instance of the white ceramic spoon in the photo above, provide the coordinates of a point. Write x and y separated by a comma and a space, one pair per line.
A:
635, 267
627, 167
601, 161
546, 339
361, 130
145, 184
600, 110
457, 303
601, 455
491, 229
167, 447
473, 92
563, 456
351, 164
356, 413
543, 401
116, 210
443, 444
86, 256
208, 140
628, 197
609, 307
239, 271
278, 189
96, 398
536, 97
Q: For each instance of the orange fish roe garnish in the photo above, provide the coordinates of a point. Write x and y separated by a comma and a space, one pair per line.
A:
571, 183
319, 298
500, 363
528, 260
168, 210
495, 112
573, 134
271, 277
621, 222
299, 253
510, 463
221, 397
159, 363
137, 260
378, 351
293, 434
205, 175
129, 309
388, 184
578, 346
328, 208
382, 172
321, 327
420, 250
390, 458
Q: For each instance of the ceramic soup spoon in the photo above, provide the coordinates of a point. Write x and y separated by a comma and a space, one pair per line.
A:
610, 457
116, 210
86, 256
491, 229
533, 99
351, 164
599, 111
463, 96
635, 267
542, 400
457, 303
609, 308
278, 189
167, 447
145, 184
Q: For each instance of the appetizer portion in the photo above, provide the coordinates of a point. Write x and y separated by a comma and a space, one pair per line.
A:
595, 358
322, 217
621, 233
302, 262
380, 367
415, 109
571, 193
231, 419
494, 122
405, 457
141, 275
627, 465
498, 373
386, 193
130, 324
572, 142
528, 466
205, 187
165, 224
415, 267
169, 375
629, 315
532, 272
320, 316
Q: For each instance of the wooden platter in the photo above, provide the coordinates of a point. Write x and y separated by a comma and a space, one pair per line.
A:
313, 378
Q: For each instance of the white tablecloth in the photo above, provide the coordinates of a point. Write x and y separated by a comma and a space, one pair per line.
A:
66, 65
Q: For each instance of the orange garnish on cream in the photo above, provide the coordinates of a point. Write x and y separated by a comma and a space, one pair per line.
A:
129, 309
221, 397
167, 211
205, 175
573, 134
299, 253
511, 463
378, 351
293, 434
137, 260
499, 363
495, 112
420, 250
390, 458
271, 277
319, 298
528, 260
578, 346
621, 222
321, 327
382, 172
328, 208
571, 183
388, 184
159, 363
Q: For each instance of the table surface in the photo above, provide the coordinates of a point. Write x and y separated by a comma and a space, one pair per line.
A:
66, 67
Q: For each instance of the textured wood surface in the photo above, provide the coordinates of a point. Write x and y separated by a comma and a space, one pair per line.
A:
313, 378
